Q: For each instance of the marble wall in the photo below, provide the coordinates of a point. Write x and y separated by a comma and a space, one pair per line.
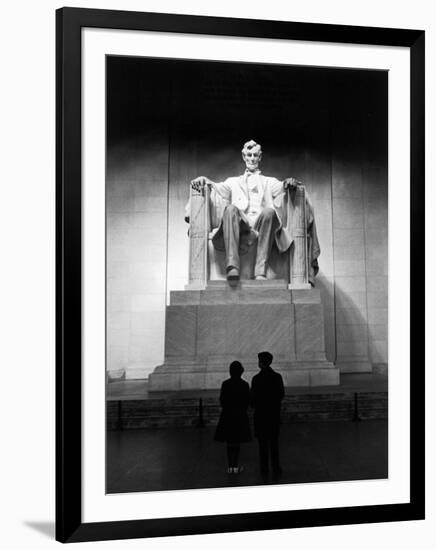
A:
136, 198
328, 130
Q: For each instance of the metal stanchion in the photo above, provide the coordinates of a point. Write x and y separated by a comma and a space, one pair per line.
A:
119, 425
200, 414
356, 417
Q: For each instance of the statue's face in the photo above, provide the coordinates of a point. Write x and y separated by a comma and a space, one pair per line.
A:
252, 158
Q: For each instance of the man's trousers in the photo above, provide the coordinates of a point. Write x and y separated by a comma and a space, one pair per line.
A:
269, 449
233, 225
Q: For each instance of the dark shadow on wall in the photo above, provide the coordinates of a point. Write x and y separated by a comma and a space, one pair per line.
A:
325, 285
348, 339
351, 331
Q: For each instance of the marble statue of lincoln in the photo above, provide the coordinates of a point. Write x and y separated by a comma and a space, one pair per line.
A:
254, 209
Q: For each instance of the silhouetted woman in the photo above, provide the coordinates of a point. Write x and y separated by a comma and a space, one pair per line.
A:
233, 426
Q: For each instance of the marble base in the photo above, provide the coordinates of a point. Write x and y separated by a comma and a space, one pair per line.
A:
349, 366
299, 286
136, 373
116, 375
203, 376
208, 329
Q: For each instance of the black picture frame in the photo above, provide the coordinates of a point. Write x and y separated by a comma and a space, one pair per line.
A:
69, 525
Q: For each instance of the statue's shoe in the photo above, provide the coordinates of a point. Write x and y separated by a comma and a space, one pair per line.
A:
260, 278
233, 274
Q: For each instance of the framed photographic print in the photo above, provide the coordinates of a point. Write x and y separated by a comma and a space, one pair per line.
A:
240, 260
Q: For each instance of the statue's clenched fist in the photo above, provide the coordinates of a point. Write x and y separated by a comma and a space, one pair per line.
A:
291, 184
198, 183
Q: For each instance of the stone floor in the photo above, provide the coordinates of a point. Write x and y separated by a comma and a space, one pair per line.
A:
189, 458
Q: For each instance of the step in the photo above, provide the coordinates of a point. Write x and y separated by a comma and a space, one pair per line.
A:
247, 284
162, 413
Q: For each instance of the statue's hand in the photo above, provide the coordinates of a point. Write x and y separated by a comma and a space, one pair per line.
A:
291, 184
198, 183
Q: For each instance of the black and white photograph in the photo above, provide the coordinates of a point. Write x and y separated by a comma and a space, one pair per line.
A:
246, 274
217, 283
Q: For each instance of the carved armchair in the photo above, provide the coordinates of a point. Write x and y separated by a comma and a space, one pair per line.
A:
205, 263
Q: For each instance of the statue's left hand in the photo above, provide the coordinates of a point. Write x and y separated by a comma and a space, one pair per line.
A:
291, 183
199, 183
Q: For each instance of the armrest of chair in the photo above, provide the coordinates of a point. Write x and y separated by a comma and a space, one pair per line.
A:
298, 256
199, 226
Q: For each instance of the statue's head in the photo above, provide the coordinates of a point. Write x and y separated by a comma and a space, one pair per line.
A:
252, 155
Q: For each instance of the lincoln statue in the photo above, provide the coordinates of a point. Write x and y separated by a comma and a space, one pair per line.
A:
213, 321
256, 209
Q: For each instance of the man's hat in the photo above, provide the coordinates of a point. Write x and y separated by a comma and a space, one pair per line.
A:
266, 357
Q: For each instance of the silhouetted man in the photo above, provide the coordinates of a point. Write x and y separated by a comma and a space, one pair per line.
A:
267, 392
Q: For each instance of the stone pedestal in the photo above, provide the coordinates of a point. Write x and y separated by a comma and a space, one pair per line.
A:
208, 329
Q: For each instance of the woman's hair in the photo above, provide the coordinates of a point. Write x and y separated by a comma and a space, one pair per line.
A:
236, 369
